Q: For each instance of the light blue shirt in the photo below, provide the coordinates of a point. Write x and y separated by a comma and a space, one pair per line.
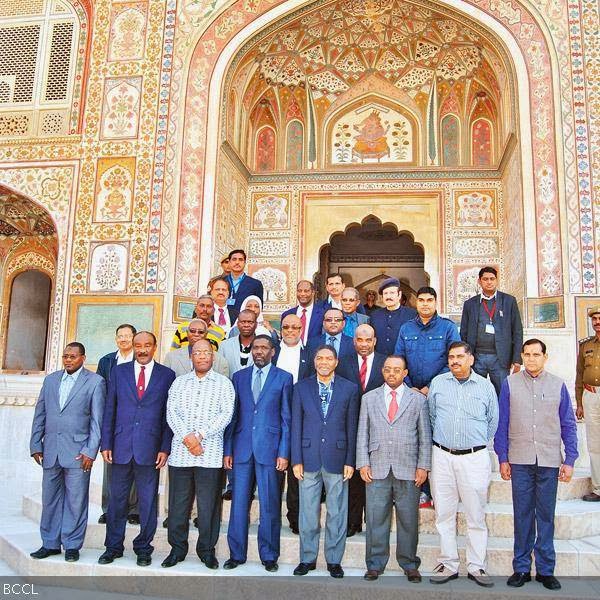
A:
264, 374
66, 385
351, 324
336, 341
463, 415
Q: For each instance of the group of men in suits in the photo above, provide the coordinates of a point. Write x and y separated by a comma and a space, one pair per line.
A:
339, 404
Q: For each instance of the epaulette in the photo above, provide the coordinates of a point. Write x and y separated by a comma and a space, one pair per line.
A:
587, 339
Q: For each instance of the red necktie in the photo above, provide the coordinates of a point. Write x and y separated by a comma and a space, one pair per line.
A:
363, 373
303, 321
222, 320
141, 383
393, 409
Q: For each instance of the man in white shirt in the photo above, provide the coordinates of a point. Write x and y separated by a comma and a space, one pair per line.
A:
335, 286
199, 408
309, 313
224, 315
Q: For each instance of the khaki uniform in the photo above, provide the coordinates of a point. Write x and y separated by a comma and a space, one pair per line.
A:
587, 392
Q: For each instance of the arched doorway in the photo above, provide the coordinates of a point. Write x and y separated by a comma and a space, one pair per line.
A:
371, 251
28, 253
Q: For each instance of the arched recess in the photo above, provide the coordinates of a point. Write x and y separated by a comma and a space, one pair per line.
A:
265, 150
294, 145
537, 147
451, 140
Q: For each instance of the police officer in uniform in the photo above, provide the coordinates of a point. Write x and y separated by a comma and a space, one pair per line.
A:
587, 394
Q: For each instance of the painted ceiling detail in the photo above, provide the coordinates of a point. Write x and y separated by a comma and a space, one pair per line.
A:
19, 216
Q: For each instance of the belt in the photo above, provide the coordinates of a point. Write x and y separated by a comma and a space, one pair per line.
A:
465, 451
591, 388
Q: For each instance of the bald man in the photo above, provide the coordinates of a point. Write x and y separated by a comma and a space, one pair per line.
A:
310, 314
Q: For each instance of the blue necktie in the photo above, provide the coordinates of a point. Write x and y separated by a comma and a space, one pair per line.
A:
256, 386
332, 342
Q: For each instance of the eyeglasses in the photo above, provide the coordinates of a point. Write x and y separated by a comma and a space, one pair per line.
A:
294, 327
333, 320
196, 330
202, 352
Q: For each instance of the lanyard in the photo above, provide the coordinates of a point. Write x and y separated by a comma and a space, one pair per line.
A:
489, 312
235, 285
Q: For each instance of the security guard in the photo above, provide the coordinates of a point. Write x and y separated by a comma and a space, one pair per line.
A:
587, 394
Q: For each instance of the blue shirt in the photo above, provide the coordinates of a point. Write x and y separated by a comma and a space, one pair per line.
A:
264, 374
67, 381
568, 426
463, 415
351, 324
337, 340
387, 323
425, 348
325, 392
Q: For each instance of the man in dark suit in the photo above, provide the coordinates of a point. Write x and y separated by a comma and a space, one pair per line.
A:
257, 445
365, 369
307, 310
65, 437
324, 424
292, 356
333, 324
136, 440
491, 324
241, 285
124, 353
388, 320
224, 315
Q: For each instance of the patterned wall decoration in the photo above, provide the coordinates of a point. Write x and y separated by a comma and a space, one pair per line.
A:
114, 189
120, 114
294, 148
108, 268
30, 260
275, 282
271, 212
481, 143
265, 150
450, 141
475, 209
128, 31
475, 247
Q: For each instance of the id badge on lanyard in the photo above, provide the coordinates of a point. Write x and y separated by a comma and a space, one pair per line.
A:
489, 327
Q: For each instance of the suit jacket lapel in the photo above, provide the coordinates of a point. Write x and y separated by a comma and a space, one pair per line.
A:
131, 381
406, 400
76, 387
381, 404
314, 389
153, 379
270, 376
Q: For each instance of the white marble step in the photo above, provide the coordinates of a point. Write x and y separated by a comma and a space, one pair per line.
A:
580, 556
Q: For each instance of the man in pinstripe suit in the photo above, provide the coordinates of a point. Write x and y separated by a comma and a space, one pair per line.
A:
393, 454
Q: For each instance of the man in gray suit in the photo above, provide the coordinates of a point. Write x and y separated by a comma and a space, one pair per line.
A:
65, 437
236, 350
180, 360
393, 453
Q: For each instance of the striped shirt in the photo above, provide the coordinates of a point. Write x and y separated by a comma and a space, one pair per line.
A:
203, 406
215, 335
463, 415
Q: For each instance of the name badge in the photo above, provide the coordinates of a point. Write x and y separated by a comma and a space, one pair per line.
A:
489, 328
230, 301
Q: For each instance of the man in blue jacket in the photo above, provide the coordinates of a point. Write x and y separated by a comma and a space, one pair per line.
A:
491, 325
324, 424
257, 444
241, 285
424, 341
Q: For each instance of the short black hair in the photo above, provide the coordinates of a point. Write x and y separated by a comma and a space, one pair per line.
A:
487, 270
334, 308
312, 285
332, 275
426, 290
147, 332
214, 280
532, 342
77, 345
467, 347
326, 347
123, 326
402, 358
238, 251
264, 336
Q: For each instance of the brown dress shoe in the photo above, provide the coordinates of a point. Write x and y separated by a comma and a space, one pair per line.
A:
591, 497
413, 575
371, 575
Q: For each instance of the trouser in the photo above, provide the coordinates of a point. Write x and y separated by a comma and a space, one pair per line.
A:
534, 500
146, 480
464, 478
356, 501
292, 497
268, 481
336, 502
106, 478
205, 485
591, 413
65, 494
381, 496
488, 364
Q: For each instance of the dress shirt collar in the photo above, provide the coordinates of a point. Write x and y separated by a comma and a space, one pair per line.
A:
387, 393
328, 385
472, 377
484, 297
333, 303
209, 376
265, 371
529, 376
123, 359
137, 367
74, 375
338, 337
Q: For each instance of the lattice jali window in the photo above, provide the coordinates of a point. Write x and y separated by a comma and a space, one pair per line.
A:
41, 44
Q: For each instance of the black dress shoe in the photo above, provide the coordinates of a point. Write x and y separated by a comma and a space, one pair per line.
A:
102, 519
353, 531
71, 555
294, 528
372, 575
227, 495
518, 579
133, 519
270, 565
44, 552
210, 561
231, 563
166, 522
171, 560
335, 571
143, 560
548, 581
108, 557
304, 568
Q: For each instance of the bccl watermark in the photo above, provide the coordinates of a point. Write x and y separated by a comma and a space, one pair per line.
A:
18, 589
